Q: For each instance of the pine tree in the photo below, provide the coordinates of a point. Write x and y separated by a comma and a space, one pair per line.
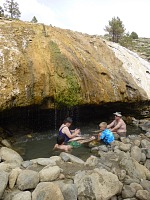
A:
1, 12
34, 20
115, 29
12, 8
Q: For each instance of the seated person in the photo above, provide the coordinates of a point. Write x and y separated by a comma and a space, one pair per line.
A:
118, 126
64, 130
60, 144
106, 135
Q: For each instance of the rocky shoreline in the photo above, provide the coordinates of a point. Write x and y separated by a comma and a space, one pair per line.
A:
119, 171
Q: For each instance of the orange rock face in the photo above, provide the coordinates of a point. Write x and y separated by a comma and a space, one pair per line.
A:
49, 66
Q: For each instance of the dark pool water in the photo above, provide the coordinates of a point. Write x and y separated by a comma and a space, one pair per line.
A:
40, 144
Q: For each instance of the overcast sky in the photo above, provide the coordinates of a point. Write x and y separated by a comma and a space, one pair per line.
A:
88, 16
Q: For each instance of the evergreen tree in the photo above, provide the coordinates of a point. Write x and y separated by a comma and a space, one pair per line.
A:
34, 20
12, 8
115, 29
1, 12
134, 35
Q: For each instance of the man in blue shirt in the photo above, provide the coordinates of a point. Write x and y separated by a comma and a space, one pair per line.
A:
105, 135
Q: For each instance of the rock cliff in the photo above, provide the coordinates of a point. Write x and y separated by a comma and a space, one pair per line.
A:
47, 66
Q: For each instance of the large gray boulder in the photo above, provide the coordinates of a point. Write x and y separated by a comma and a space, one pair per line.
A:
68, 189
27, 179
47, 191
136, 153
49, 173
97, 184
10, 155
7, 166
22, 196
3, 182
13, 177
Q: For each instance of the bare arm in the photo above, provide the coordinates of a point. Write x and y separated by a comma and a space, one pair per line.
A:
111, 124
116, 127
67, 132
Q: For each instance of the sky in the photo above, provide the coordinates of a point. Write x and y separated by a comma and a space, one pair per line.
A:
88, 16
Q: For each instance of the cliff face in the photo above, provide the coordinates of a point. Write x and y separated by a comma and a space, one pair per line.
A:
46, 65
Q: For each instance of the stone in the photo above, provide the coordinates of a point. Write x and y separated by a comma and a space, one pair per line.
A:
6, 143
143, 195
22, 196
143, 157
26, 164
136, 153
10, 155
136, 186
147, 164
124, 147
128, 192
145, 184
9, 194
148, 153
97, 184
145, 144
91, 161
7, 166
47, 191
103, 148
69, 190
27, 179
13, 177
68, 157
137, 143
46, 161
49, 173
3, 182
56, 158
148, 134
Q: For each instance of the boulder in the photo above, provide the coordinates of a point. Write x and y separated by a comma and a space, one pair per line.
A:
27, 179
136, 153
13, 177
145, 184
124, 147
91, 161
22, 196
7, 166
128, 192
143, 195
49, 173
70, 158
97, 184
47, 191
136, 186
10, 155
145, 144
3, 182
69, 190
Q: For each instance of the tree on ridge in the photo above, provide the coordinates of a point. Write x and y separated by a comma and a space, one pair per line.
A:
115, 29
12, 8
1, 12
34, 20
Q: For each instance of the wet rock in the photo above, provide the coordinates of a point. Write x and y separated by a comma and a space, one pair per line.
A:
68, 157
49, 173
46, 191
97, 183
128, 192
3, 182
27, 179
136, 153
143, 195
22, 196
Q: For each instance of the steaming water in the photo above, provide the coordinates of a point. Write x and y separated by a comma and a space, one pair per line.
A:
41, 144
